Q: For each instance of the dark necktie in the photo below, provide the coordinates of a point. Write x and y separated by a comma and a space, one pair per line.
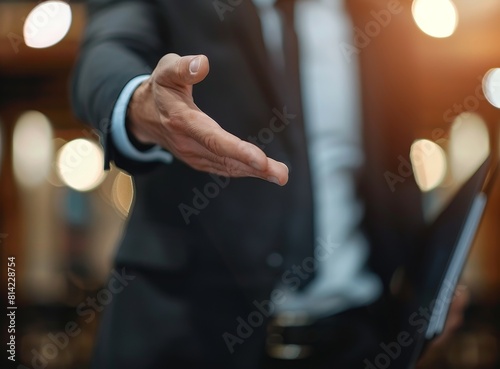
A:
300, 218
291, 71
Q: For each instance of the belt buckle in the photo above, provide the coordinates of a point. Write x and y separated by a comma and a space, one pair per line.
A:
277, 343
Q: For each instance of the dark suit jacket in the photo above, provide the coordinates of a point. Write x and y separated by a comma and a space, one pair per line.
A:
249, 219
230, 239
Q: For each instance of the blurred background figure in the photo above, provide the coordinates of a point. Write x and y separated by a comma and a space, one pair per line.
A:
425, 73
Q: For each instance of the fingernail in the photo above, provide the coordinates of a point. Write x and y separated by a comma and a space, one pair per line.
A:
274, 180
194, 66
256, 165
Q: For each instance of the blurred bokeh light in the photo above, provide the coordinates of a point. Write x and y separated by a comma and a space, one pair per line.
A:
436, 18
429, 164
469, 145
123, 193
53, 176
491, 86
47, 24
80, 165
32, 148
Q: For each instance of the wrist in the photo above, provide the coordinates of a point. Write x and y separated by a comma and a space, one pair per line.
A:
140, 114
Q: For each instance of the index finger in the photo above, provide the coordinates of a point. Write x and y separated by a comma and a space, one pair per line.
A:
222, 143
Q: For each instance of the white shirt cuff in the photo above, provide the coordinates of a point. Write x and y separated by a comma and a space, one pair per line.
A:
119, 132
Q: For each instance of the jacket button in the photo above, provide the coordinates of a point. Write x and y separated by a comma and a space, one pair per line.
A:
274, 260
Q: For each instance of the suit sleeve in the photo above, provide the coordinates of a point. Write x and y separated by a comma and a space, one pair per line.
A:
123, 39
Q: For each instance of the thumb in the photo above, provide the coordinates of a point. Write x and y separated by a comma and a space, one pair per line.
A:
176, 71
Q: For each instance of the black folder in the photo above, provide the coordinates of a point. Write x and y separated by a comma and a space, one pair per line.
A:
431, 280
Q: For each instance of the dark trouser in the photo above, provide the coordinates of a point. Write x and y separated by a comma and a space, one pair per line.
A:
161, 320
167, 321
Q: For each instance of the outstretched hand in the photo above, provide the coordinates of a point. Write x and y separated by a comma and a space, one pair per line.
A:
162, 112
